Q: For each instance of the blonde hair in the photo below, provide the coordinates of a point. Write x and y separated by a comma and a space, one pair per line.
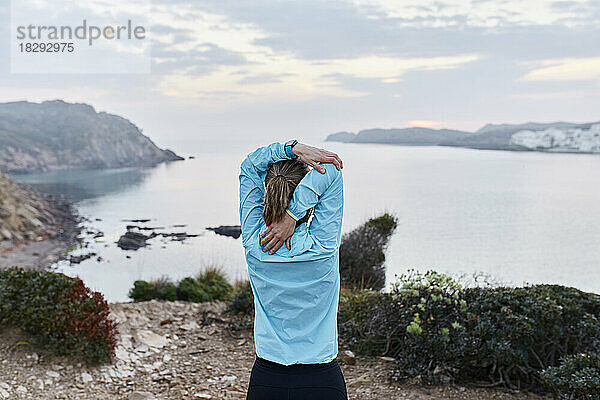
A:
280, 183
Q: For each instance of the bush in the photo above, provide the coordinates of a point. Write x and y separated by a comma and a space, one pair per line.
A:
215, 280
161, 289
362, 253
419, 323
59, 313
210, 284
242, 299
515, 333
190, 289
577, 377
434, 329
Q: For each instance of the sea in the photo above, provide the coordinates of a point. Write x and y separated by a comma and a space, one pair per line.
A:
512, 218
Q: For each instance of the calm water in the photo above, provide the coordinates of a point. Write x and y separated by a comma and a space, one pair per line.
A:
521, 217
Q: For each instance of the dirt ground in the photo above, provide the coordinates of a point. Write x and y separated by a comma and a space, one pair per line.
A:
177, 350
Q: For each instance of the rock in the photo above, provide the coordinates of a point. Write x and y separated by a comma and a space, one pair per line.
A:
203, 395
151, 339
4, 393
347, 357
234, 231
132, 241
389, 359
189, 326
141, 396
78, 259
21, 389
361, 380
53, 374
86, 378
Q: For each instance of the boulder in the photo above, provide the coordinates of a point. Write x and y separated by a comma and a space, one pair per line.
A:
234, 231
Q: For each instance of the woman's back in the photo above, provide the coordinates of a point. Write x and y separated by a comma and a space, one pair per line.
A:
296, 290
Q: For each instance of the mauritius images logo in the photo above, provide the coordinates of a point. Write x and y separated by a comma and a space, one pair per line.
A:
83, 32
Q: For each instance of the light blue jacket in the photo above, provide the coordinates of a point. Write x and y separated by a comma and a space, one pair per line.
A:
296, 292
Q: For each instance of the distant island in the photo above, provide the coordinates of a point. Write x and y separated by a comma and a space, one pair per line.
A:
560, 137
55, 135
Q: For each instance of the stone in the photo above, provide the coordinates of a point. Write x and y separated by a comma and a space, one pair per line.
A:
189, 326
53, 374
86, 378
203, 395
138, 395
151, 339
227, 230
4, 394
122, 354
347, 357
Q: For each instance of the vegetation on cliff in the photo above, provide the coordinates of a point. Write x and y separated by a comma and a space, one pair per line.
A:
57, 135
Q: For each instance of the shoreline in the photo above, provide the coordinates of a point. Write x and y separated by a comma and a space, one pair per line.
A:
53, 246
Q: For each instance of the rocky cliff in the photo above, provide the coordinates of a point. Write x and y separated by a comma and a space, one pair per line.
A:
57, 135
28, 215
553, 137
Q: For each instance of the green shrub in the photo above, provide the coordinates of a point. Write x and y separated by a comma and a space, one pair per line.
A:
210, 284
434, 329
242, 299
58, 313
419, 323
141, 291
577, 377
362, 253
161, 289
515, 333
190, 289
216, 283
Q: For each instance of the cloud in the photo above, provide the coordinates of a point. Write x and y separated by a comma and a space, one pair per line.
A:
566, 69
485, 13
264, 78
285, 76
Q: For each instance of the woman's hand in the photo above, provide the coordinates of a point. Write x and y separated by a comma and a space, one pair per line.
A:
278, 233
313, 156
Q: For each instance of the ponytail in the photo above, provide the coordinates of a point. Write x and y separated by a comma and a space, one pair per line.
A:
280, 183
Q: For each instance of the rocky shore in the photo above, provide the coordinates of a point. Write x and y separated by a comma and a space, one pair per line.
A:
180, 350
36, 230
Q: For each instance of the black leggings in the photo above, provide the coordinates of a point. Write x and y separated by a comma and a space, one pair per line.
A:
273, 381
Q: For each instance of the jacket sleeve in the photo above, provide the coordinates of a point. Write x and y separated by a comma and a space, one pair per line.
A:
324, 192
252, 186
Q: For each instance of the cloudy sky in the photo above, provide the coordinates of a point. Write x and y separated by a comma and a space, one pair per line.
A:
253, 70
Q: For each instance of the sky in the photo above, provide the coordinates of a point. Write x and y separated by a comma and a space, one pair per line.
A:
256, 70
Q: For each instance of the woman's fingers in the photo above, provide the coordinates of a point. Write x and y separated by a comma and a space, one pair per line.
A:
267, 238
288, 244
335, 161
273, 246
278, 244
262, 235
316, 166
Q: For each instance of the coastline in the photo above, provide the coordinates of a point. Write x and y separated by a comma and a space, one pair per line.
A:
45, 250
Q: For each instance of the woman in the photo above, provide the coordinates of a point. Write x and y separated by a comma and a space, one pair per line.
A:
296, 286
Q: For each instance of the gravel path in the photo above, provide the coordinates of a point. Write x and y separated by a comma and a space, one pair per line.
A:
177, 350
